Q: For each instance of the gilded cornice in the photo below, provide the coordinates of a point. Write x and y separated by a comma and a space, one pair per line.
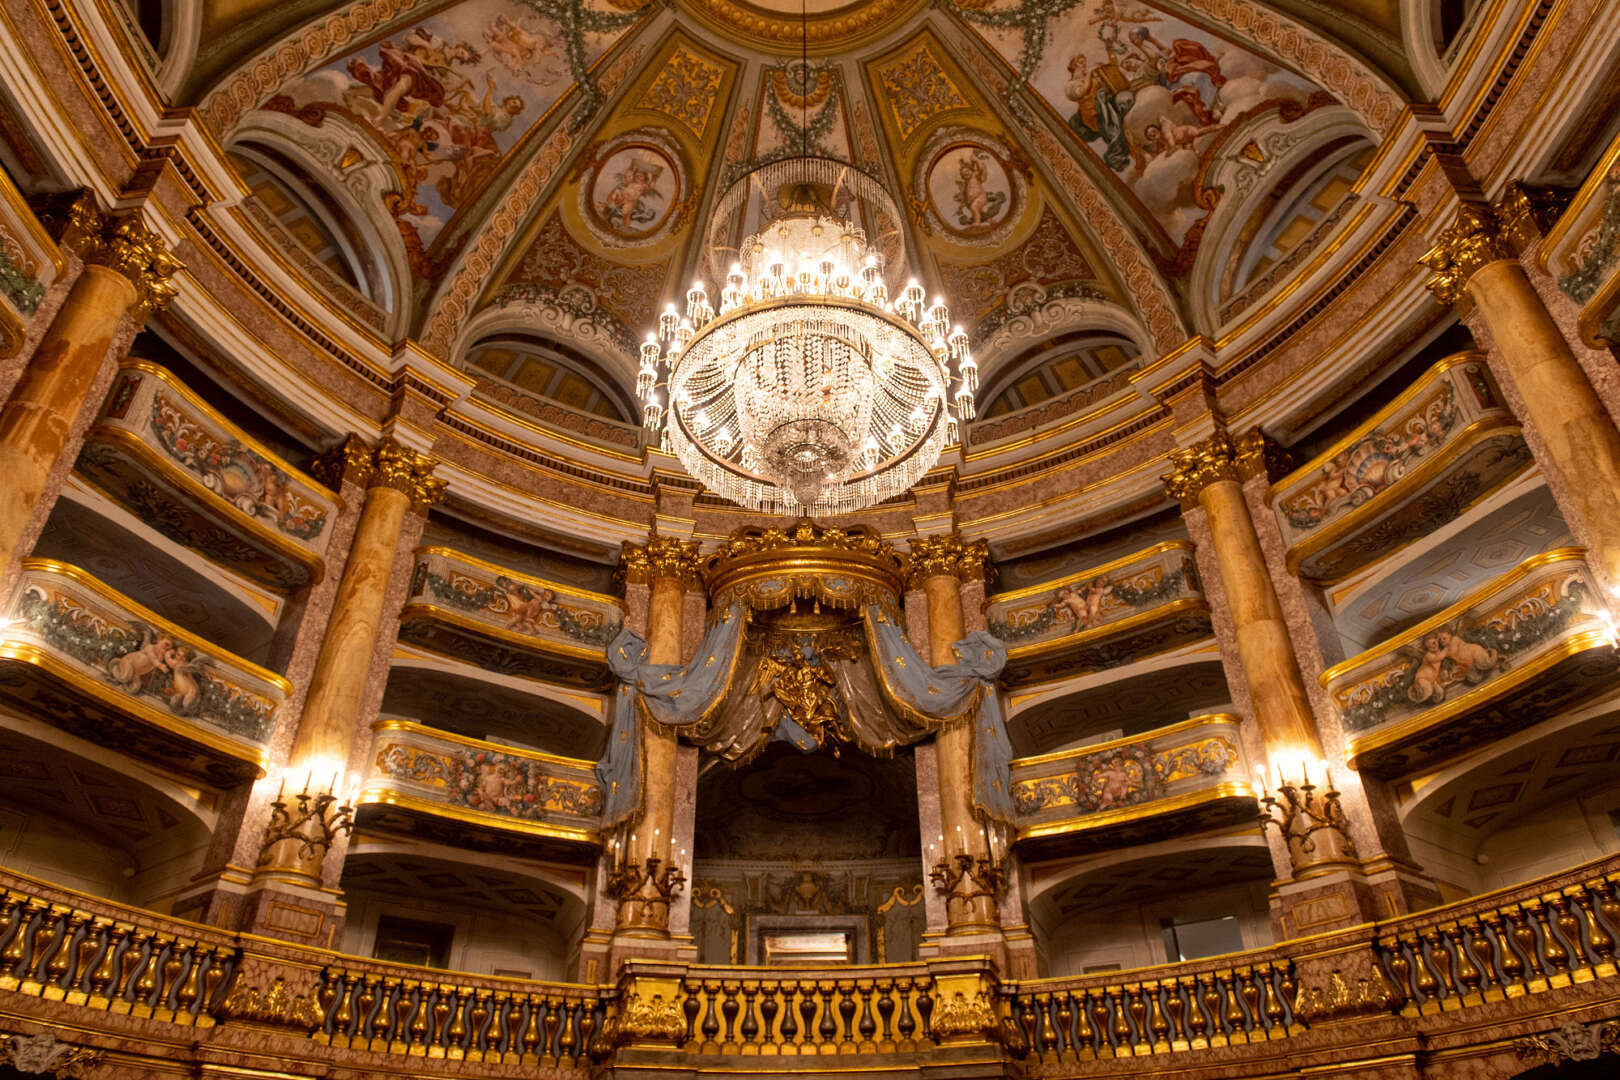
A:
120, 242
387, 465
1474, 240
660, 557
948, 555
1221, 457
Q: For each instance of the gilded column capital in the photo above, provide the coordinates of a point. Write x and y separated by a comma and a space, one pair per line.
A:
1196, 467
1528, 211
1473, 241
389, 464
660, 557
948, 555
397, 466
1259, 455
123, 243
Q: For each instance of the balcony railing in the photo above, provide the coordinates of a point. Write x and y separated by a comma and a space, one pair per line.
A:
553, 803
1187, 776
101, 667
1506, 656
1522, 958
29, 263
1438, 448
507, 622
177, 464
1112, 614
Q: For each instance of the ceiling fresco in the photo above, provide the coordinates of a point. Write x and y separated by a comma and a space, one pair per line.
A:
547, 166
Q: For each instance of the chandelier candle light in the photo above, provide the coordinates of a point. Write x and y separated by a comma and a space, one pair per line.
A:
807, 391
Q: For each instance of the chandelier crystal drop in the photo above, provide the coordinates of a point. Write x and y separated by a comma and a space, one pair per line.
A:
807, 390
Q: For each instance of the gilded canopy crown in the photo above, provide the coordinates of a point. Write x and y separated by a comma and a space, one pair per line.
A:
768, 568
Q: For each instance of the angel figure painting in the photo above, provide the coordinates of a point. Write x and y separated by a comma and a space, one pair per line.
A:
443, 101
1153, 95
633, 190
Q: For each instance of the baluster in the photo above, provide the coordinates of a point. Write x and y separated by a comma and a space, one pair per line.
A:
828, 1028
885, 1008
1236, 1023
1065, 1022
768, 1008
1465, 972
925, 1006
169, 981
867, 1026
1482, 958
749, 1031
567, 1040
1273, 1004
101, 977
13, 914
1598, 939
478, 1015
11, 957
382, 1024
405, 1007
1428, 986
61, 964
1100, 1013
1197, 1020
502, 1029
1087, 1040
1180, 1037
1439, 958
1552, 949
346, 985
1158, 1026
1290, 992
458, 1022
1569, 926
191, 989
549, 1026
846, 1014
213, 978
130, 964
1048, 1043
790, 1018
691, 1005
1141, 1039
146, 986
711, 1018
587, 1028
729, 1008
95, 938
46, 934
908, 1023
364, 999
1124, 1037
1251, 1002
532, 1030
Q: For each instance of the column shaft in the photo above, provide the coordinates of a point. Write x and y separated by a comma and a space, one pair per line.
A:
659, 745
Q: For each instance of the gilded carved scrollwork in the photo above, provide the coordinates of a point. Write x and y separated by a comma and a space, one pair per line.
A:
948, 556
1474, 240
120, 242
276, 1006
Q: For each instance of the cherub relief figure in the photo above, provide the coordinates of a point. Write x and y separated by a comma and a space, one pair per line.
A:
1084, 604
527, 611
132, 669
626, 205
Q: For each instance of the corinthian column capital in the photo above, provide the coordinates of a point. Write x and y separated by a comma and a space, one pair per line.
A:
1221, 457
1473, 241
948, 555
122, 243
389, 464
660, 557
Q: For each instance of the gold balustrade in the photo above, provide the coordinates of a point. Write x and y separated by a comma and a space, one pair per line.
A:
96, 664
1518, 649
174, 461
94, 968
1443, 444
1124, 610
1187, 776
503, 620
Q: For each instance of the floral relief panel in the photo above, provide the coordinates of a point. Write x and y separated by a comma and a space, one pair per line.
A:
1438, 448
1466, 659
1117, 776
29, 264
483, 778
155, 443
110, 671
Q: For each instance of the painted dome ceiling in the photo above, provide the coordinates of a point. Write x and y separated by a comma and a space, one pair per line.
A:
521, 185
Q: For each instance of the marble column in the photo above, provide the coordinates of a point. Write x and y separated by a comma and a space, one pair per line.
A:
1573, 436
126, 272
938, 567
643, 881
398, 482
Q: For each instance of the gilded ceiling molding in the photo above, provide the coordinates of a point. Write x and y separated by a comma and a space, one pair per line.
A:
840, 29
1157, 308
478, 260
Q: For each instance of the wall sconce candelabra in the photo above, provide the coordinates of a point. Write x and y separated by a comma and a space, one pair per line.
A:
1310, 820
644, 892
303, 829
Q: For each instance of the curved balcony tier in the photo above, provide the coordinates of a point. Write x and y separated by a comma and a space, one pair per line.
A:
1187, 777
174, 462
1582, 251
1434, 451
104, 668
468, 793
508, 622
1113, 614
105, 976
1532, 642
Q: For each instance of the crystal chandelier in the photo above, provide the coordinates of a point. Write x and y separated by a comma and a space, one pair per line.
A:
808, 390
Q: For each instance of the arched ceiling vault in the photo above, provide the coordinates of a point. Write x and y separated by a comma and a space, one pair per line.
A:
554, 159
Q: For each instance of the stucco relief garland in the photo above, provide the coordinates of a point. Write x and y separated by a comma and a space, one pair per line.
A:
469, 276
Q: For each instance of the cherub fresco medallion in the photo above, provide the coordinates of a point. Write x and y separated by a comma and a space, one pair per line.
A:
634, 190
969, 188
